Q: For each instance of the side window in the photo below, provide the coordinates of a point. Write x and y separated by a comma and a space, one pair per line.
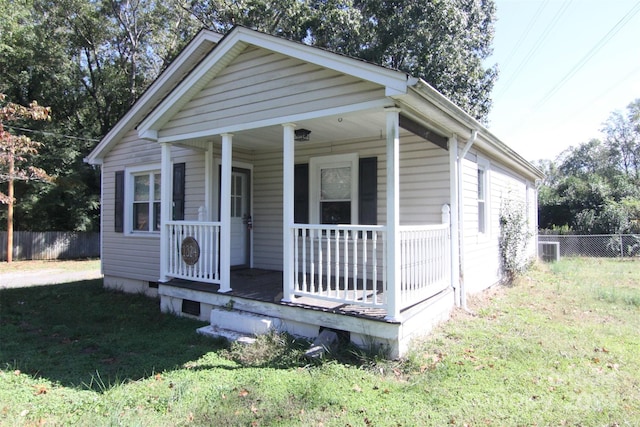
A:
482, 225
142, 196
145, 209
483, 196
334, 189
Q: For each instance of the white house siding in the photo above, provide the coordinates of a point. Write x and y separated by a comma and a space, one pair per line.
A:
481, 252
138, 257
424, 187
282, 87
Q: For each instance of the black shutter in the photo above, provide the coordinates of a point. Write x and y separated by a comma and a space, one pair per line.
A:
178, 191
118, 215
368, 191
301, 194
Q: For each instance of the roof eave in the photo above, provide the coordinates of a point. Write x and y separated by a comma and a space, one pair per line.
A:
458, 122
154, 94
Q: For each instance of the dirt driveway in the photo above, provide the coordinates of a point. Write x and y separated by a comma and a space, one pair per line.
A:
38, 273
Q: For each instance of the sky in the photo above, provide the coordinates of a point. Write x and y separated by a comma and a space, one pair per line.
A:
564, 67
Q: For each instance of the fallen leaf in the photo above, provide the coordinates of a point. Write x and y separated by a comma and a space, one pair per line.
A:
40, 389
254, 410
158, 377
16, 372
357, 388
243, 393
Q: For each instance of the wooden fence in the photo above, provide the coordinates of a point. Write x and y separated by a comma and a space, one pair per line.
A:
45, 245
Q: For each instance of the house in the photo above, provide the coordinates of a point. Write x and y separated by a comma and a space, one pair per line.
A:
263, 183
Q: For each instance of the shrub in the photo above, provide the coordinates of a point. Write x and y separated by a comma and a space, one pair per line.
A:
514, 236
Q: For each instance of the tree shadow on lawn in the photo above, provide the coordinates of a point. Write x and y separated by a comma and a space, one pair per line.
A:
80, 335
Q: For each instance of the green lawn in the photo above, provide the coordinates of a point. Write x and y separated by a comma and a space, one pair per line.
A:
559, 348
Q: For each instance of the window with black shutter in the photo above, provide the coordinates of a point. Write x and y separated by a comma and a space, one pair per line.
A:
367, 193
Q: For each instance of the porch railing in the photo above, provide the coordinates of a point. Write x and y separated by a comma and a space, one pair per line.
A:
425, 256
342, 263
347, 263
193, 253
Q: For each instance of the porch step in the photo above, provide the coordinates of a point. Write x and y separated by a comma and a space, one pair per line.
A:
214, 332
238, 325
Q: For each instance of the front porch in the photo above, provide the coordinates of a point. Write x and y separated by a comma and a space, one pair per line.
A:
342, 268
257, 294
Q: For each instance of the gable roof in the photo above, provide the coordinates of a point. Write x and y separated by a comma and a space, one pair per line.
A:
189, 57
209, 53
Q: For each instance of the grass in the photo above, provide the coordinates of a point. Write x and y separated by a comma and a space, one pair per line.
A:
559, 348
68, 266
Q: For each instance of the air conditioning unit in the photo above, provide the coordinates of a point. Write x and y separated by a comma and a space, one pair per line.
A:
549, 251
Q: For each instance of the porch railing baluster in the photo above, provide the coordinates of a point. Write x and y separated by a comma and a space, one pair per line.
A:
204, 266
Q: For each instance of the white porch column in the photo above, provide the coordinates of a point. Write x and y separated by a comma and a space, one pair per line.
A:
166, 199
225, 213
288, 155
393, 214
453, 197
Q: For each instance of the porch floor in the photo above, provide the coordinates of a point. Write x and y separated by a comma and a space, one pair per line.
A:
266, 286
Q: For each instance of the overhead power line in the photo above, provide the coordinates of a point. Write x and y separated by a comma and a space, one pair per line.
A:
525, 33
536, 46
79, 138
580, 64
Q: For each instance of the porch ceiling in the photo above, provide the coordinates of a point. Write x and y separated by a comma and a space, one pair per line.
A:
362, 125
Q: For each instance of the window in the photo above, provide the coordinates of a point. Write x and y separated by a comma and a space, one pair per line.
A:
483, 196
146, 202
141, 201
334, 189
482, 225
137, 196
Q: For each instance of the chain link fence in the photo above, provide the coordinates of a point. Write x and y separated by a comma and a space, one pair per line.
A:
598, 245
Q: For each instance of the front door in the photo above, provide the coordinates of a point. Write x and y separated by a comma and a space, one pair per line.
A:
240, 217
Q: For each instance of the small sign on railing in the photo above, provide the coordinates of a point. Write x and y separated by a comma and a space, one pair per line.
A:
190, 250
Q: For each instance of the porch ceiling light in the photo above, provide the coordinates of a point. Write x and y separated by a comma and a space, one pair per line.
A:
301, 134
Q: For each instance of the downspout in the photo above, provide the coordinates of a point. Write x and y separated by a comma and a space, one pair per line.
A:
461, 156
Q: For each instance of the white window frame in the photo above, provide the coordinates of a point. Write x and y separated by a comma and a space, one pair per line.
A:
129, 182
316, 164
484, 229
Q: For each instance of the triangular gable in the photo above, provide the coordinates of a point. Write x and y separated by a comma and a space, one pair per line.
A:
238, 41
260, 87
188, 58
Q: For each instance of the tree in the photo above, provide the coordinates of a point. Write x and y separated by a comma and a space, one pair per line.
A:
443, 42
15, 151
594, 188
90, 60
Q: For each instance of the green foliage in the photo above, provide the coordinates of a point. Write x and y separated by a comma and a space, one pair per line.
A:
595, 188
90, 60
514, 237
442, 42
